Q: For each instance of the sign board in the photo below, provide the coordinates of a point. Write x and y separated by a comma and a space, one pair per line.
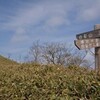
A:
87, 43
89, 40
89, 35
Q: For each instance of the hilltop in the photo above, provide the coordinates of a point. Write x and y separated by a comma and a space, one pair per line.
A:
6, 61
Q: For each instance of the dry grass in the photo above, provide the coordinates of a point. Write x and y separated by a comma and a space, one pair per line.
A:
5, 61
48, 82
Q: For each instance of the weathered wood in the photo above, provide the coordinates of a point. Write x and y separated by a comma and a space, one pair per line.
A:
97, 53
88, 40
89, 35
87, 43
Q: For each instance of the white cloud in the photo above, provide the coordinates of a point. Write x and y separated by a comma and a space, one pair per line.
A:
90, 14
52, 14
57, 21
20, 36
89, 10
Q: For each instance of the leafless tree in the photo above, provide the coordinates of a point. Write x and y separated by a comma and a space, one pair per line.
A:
35, 52
79, 58
57, 53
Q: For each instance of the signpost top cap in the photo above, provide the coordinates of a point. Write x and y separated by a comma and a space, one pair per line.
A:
97, 26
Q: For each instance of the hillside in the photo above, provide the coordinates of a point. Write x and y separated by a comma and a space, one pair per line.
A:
48, 82
5, 61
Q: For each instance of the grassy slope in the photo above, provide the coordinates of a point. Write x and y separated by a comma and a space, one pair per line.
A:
48, 82
5, 61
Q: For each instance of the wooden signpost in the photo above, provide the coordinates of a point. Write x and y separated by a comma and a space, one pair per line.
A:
89, 40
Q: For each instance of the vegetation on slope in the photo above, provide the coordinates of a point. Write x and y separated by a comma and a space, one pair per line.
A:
5, 61
48, 82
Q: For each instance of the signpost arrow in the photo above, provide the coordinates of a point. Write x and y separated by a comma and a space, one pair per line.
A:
87, 43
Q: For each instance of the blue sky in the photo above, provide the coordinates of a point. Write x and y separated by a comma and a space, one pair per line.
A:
24, 21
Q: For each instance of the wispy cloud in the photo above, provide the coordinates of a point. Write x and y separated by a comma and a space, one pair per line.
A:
49, 14
20, 36
89, 10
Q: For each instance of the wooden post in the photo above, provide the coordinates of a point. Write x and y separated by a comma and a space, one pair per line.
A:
97, 53
97, 59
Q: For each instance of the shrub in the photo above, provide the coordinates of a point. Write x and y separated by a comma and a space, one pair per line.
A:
48, 82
